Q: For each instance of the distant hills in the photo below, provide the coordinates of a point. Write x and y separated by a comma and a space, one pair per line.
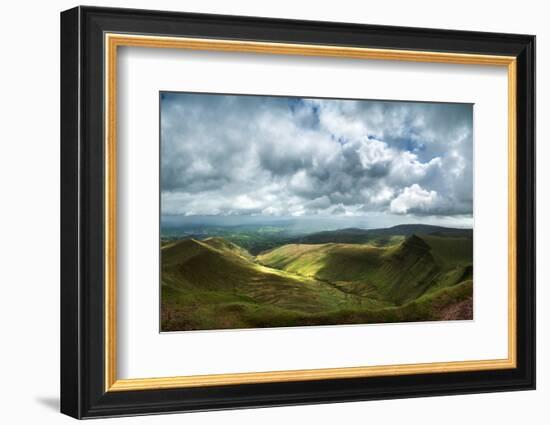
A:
354, 235
404, 273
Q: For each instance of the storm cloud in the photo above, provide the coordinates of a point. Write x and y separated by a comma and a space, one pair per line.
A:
278, 156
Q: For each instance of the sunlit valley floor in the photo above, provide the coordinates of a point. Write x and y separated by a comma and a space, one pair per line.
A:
349, 276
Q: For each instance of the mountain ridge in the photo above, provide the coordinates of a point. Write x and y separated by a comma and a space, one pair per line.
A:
358, 235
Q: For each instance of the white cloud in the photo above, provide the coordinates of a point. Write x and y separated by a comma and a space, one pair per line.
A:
373, 153
414, 198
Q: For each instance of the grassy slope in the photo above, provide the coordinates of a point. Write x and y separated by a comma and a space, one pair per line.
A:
397, 273
213, 284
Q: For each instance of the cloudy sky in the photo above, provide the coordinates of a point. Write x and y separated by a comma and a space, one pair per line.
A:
230, 155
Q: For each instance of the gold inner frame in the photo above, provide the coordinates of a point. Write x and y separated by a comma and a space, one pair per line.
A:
113, 41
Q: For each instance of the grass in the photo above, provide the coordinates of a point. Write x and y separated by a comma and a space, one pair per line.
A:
216, 284
397, 273
450, 251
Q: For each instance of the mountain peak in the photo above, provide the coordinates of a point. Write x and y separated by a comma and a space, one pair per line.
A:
225, 245
220, 243
415, 242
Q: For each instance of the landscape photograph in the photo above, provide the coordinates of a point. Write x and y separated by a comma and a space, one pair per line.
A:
294, 211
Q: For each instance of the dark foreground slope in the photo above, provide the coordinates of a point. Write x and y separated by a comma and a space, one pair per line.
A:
214, 284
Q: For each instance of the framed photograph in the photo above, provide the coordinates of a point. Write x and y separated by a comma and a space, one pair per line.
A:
261, 212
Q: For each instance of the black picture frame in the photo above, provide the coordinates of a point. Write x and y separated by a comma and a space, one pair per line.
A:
83, 392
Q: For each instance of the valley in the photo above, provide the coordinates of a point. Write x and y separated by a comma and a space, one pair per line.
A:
346, 276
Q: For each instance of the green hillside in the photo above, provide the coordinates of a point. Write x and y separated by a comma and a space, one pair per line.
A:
397, 273
215, 284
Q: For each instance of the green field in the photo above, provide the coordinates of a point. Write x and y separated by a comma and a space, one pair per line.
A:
377, 277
